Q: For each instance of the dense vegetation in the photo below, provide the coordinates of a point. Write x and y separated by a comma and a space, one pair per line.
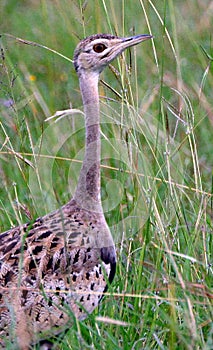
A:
157, 157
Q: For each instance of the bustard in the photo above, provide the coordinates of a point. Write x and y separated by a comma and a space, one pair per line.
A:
61, 263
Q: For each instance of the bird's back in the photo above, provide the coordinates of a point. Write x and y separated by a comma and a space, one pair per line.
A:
52, 269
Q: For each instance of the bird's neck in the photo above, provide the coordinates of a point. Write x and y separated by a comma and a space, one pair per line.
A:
88, 188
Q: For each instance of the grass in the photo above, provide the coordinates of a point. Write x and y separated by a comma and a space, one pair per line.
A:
156, 156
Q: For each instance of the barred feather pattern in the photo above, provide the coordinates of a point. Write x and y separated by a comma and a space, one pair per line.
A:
50, 270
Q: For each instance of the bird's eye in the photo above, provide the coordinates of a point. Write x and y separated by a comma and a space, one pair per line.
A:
99, 48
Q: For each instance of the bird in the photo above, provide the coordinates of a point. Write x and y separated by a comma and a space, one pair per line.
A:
58, 266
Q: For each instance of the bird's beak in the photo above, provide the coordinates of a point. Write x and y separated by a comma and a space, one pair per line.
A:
120, 44
134, 40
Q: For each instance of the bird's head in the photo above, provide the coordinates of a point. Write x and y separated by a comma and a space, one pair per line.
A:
96, 51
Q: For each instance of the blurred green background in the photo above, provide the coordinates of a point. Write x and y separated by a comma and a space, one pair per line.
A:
157, 100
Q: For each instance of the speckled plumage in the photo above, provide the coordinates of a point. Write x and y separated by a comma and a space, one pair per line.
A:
50, 268
58, 267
